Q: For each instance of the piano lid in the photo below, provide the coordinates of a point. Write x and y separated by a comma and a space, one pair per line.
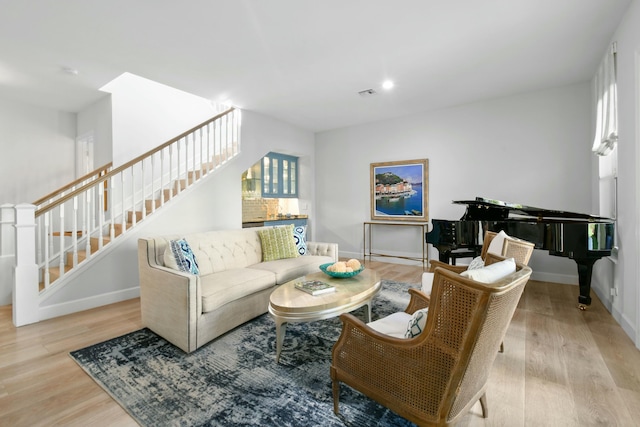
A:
486, 209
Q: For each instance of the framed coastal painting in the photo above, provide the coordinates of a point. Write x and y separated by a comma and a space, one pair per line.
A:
399, 190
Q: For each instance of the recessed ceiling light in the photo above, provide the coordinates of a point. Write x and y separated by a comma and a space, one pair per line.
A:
387, 84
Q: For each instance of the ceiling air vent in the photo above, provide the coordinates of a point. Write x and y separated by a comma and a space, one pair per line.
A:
368, 92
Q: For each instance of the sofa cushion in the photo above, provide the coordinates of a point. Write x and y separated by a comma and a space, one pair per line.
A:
225, 249
179, 256
278, 243
223, 287
292, 268
299, 239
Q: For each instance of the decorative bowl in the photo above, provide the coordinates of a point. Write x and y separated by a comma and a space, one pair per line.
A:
338, 275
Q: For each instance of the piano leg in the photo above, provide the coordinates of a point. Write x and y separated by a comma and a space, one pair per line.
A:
585, 269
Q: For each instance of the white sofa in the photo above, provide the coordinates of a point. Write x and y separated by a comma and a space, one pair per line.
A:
232, 287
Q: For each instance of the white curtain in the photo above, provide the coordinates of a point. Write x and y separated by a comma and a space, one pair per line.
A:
606, 136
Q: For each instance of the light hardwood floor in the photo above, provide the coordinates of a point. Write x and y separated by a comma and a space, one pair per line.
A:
561, 366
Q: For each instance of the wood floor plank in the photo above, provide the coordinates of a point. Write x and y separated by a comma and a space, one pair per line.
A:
632, 400
561, 366
506, 388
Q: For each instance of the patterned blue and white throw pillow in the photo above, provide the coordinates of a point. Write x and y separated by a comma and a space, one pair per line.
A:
417, 323
299, 237
179, 256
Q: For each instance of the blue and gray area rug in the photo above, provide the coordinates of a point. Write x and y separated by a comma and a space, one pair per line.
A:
234, 380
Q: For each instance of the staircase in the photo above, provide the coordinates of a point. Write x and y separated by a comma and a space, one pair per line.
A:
74, 224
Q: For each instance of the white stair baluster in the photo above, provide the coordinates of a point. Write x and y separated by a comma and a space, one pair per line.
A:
74, 231
122, 206
112, 211
87, 222
61, 246
47, 240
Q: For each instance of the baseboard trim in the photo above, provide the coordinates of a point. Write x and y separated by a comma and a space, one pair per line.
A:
623, 321
568, 279
70, 307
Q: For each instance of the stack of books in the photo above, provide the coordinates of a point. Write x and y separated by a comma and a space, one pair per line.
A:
315, 287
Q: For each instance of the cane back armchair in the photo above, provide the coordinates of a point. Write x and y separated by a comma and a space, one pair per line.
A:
518, 249
434, 378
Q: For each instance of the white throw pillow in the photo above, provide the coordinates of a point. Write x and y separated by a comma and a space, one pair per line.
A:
427, 282
495, 247
417, 323
476, 263
493, 272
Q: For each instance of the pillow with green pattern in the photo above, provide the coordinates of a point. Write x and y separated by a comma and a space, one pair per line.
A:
417, 323
278, 243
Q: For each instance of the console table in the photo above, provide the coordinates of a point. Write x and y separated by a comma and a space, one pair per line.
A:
367, 234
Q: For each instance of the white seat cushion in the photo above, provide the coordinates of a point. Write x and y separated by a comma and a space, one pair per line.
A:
427, 282
223, 287
394, 324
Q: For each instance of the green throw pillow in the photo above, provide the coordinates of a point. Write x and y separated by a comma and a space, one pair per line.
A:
278, 243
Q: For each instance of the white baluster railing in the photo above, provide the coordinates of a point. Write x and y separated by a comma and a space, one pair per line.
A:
95, 209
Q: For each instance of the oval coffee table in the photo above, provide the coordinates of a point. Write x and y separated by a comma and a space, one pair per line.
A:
288, 304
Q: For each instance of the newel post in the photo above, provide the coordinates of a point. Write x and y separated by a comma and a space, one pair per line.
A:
25, 277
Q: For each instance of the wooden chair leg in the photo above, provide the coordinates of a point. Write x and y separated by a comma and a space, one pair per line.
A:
483, 404
335, 386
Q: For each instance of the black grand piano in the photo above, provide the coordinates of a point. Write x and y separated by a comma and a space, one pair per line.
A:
583, 238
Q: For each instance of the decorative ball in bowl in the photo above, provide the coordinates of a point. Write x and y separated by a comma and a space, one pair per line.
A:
338, 269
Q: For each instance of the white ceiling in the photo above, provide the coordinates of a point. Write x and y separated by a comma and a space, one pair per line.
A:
303, 61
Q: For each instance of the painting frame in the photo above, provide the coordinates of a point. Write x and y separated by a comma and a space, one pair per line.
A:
404, 200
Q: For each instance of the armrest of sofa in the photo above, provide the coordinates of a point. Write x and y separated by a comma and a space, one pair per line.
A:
323, 249
168, 299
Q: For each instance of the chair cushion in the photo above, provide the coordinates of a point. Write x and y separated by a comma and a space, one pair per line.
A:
495, 247
493, 272
179, 256
417, 323
427, 282
394, 325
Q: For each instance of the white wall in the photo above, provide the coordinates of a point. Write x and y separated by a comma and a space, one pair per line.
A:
626, 306
532, 148
38, 146
147, 114
96, 119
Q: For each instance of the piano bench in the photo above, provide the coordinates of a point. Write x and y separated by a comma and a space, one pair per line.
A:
467, 253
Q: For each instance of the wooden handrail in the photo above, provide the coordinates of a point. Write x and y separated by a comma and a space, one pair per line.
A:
130, 163
96, 172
